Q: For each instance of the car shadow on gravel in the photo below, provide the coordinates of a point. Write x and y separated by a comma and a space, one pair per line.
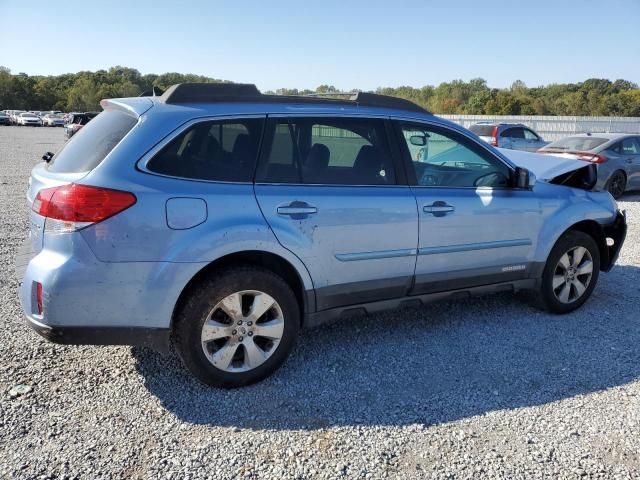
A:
632, 196
436, 364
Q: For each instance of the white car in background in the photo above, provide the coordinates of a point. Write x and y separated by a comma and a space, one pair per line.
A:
15, 115
53, 120
28, 119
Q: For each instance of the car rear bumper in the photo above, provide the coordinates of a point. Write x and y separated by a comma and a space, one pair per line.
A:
156, 338
617, 232
86, 301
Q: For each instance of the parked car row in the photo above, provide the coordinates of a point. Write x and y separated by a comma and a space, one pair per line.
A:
72, 121
616, 155
35, 118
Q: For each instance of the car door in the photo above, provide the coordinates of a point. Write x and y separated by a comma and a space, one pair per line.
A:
513, 138
474, 229
332, 194
630, 151
532, 140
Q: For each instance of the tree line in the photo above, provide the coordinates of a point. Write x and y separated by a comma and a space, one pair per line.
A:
83, 91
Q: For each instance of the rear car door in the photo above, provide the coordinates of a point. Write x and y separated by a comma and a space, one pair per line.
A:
475, 229
332, 194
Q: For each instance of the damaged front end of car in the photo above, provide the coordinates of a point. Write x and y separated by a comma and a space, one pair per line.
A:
584, 178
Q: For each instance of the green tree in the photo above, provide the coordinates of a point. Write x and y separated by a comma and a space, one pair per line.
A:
84, 90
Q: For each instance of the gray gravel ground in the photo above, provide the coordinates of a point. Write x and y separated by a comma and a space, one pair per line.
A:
487, 388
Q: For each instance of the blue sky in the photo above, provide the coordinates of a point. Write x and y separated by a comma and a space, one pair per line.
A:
349, 44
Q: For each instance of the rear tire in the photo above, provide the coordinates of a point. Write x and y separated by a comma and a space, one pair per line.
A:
571, 272
617, 184
237, 326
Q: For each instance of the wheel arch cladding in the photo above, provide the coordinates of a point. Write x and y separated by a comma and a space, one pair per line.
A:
268, 260
595, 231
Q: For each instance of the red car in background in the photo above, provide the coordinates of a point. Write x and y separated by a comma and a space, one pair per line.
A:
76, 121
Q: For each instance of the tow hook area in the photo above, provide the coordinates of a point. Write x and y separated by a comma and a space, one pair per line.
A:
614, 235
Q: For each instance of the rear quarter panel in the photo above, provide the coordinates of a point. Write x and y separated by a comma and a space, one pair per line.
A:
234, 222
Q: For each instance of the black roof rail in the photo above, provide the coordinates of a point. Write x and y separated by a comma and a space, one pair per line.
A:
367, 99
247, 92
210, 92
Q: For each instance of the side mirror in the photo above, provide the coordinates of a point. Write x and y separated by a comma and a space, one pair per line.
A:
524, 178
418, 140
47, 157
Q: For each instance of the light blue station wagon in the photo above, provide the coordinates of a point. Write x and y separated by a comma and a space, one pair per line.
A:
225, 221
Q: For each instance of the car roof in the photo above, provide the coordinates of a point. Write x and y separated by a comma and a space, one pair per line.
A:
499, 124
186, 93
220, 99
286, 108
610, 136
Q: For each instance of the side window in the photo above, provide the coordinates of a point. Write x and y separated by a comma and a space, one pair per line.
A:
516, 132
330, 151
629, 146
216, 150
529, 135
444, 158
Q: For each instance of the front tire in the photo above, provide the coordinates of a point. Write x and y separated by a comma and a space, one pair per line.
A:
617, 184
237, 327
571, 272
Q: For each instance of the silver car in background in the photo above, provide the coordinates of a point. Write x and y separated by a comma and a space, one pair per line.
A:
53, 120
15, 115
28, 119
514, 136
617, 156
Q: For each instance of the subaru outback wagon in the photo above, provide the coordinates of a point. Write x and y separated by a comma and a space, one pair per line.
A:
224, 221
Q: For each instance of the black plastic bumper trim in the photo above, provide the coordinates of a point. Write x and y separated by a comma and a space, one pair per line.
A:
617, 231
156, 338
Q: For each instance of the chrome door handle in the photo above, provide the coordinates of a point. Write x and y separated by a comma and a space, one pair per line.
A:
438, 209
297, 210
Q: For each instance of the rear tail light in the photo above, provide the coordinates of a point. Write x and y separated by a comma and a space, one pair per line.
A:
590, 157
494, 137
39, 297
71, 207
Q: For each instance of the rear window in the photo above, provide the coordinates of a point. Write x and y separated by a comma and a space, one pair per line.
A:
482, 130
87, 148
582, 144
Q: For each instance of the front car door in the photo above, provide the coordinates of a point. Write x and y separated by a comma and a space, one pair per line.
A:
475, 229
532, 140
330, 189
630, 151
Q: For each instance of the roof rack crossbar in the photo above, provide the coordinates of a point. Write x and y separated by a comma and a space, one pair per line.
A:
245, 92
